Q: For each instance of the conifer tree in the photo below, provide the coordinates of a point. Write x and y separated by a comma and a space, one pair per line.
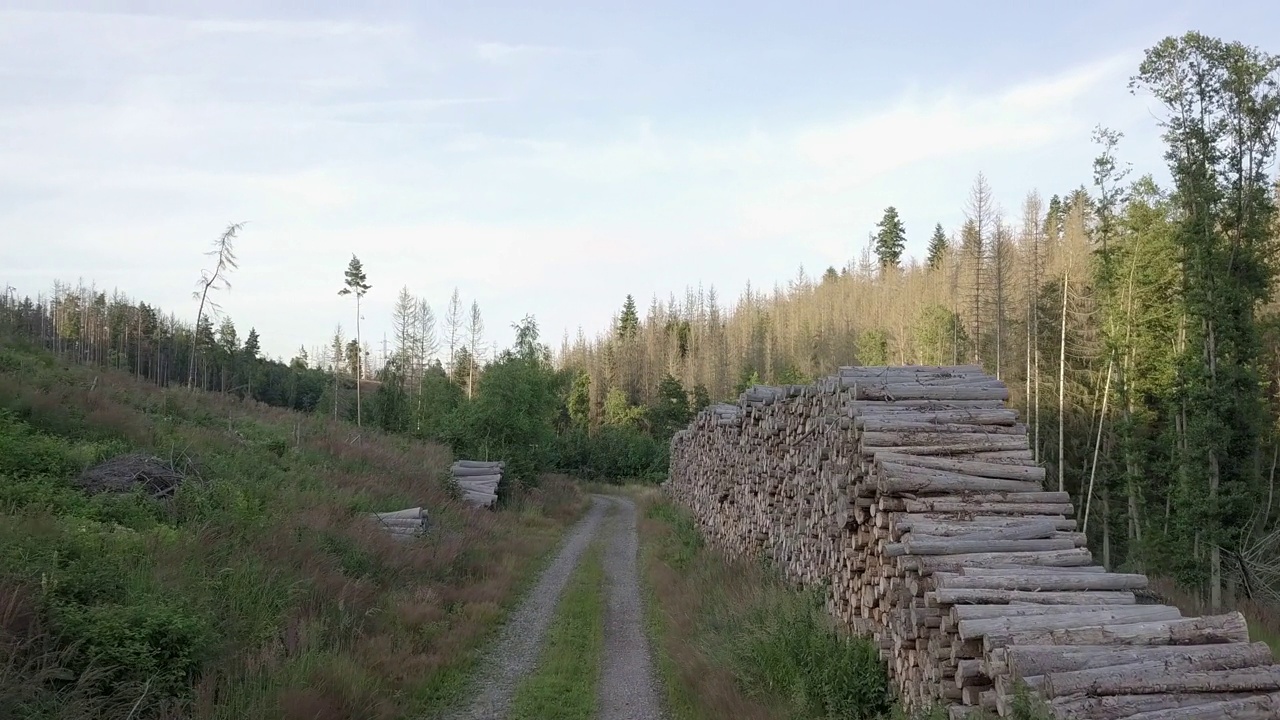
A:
890, 239
356, 284
629, 321
937, 247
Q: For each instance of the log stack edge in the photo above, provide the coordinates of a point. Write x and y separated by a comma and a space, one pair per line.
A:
913, 491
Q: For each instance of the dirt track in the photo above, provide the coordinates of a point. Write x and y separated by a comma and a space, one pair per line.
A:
628, 688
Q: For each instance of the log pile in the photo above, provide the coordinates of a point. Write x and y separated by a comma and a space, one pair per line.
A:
403, 523
912, 491
478, 480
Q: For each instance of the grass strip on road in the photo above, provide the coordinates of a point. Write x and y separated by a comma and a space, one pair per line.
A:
563, 687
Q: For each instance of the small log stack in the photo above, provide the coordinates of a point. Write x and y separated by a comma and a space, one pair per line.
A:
403, 523
478, 480
912, 491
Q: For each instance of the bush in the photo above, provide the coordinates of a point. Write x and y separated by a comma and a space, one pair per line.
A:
157, 642
611, 452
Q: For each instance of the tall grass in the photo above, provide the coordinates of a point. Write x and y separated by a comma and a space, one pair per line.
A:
261, 590
735, 642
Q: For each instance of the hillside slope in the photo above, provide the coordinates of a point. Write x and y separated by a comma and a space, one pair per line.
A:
260, 588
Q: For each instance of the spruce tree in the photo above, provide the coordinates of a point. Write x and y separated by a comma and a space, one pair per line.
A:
890, 239
937, 247
629, 322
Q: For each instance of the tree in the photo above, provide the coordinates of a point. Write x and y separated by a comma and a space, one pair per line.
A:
428, 343
228, 345
578, 401
1223, 101
890, 239
701, 398
670, 410
937, 248
513, 413
299, 360
527, 346
475, 336
453, 328
619, 412
427, 347
629, 321
356, 284
252, 345
979, 224
404, 322
224, 251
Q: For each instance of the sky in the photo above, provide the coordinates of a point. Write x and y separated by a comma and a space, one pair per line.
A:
542, 158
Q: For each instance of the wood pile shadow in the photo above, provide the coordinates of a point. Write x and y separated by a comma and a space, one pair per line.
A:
911, 493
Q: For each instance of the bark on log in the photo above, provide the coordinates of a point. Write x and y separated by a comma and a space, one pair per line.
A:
1025, 661
990, 596
1120, 707
1178, 674
1017, 580
1212, 629
983, 627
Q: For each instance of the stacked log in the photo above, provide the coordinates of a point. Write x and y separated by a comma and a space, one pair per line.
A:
478, 480
403, 523
913, 494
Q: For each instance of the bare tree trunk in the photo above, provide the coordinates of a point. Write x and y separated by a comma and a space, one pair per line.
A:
359, 361
1097, 446
1062, 389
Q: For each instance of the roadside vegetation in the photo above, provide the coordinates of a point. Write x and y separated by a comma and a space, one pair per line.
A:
258, 588
735, 641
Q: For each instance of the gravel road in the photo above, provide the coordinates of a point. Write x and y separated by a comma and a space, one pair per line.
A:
519, 644
628, 687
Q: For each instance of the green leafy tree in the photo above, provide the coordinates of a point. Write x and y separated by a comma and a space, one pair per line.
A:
789, 374
748, 377
701, 398
670, 410
891, 239
512, 413
578, 401
939, 336
618, 411
356, 284
937, 247
1223, 103
461, 366
873, 347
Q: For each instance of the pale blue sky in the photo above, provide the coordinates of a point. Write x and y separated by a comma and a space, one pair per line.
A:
544, 158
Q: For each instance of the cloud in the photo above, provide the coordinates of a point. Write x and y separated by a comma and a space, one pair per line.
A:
338, 136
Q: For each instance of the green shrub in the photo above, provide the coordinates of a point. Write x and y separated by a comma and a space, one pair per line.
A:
611, 452
158, 642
